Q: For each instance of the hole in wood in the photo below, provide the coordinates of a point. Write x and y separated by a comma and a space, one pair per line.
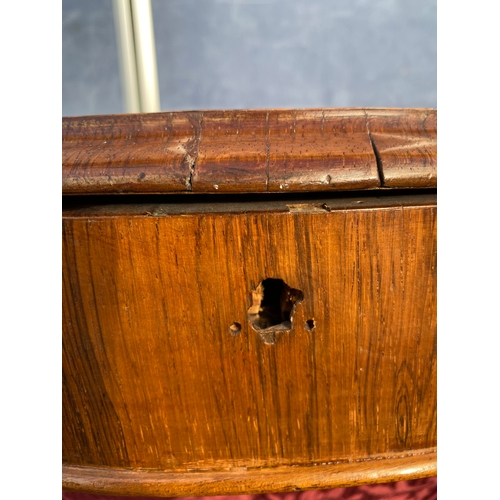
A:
235, 328
310, 325
273, 304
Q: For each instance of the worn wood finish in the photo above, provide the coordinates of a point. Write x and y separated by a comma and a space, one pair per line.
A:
112, 206
405, 144
238, 482
137, 153
320, 150
154, 378
249, 151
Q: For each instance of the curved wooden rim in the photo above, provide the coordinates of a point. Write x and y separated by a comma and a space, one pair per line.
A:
236, 482
250, 151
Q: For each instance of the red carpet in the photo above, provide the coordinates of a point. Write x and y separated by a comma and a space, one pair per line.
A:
418, 489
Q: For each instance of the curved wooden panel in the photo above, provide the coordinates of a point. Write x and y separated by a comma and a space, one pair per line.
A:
250, 151
171, 382
155, 378
283, 479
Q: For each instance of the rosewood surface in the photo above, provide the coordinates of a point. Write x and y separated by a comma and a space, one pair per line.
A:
245, 481
154, 379
173, 381
250, 151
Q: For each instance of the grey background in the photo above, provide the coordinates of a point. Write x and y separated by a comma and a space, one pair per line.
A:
225, 54
90, 71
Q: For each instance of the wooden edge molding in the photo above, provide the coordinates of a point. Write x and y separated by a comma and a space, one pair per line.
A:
250, 151
236, 482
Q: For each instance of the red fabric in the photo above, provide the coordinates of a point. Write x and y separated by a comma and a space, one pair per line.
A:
418, 489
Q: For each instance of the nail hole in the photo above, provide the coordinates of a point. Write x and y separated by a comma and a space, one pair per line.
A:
273, 304
235, 328
310, 325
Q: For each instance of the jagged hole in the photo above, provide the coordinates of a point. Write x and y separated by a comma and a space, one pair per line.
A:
273, 304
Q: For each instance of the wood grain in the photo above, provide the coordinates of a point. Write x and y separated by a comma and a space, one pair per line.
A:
137, 153
249, 151
238, 482
405, 144
154, 380
320, 150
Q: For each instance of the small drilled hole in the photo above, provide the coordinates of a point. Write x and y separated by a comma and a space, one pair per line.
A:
235, 328
310, 325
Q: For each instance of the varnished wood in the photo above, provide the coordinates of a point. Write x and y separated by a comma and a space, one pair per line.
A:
237, 482
405, 144
155, 380
170, 386
139, 153
250, 151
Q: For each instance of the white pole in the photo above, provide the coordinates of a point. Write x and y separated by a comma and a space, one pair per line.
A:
145, 51
127, 59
